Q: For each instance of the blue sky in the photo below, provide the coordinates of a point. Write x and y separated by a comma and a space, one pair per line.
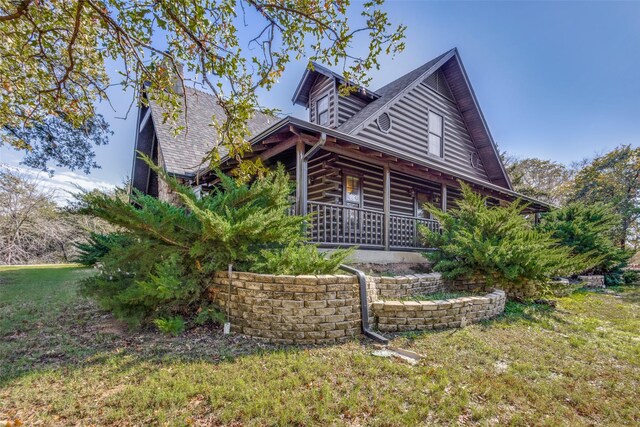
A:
555, 80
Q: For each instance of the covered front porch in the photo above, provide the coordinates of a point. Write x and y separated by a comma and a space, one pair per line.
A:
363, 196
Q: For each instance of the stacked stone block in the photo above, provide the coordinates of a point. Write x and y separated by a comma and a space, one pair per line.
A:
290, 309
513, 290
594, 282
401, 316
408, 286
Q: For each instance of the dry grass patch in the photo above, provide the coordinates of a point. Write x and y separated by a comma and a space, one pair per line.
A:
578, 364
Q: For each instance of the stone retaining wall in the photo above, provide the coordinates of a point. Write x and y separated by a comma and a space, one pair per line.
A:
326, 309
408, 286
592, 281
400, 316
512, 290
290, 309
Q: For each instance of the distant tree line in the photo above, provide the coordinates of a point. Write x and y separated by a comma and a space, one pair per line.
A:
33, 228
612, 178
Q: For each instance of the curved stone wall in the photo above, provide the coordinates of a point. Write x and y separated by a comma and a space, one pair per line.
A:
400, 316
290, 309
326, 309
408, 286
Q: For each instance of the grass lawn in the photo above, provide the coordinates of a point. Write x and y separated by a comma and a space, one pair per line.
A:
63, 362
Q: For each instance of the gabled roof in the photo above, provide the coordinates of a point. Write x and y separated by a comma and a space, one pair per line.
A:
465, 98
311, 73
389, 93
183, 153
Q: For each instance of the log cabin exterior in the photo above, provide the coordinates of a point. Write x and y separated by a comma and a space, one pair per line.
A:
363, 164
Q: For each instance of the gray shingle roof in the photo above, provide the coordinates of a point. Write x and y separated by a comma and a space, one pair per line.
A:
183, 153
387, 93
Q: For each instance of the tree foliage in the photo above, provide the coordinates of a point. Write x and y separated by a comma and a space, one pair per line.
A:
33, 228
53, 54
165, 265
545, 180
589, 229
56, 140
614, 178
497, 243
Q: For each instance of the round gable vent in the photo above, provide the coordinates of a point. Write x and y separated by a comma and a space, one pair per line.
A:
475, 160
384, 122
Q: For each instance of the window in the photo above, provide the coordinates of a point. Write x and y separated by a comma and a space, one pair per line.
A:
352, 191
322, 110
420, 200
352, 199
436, 134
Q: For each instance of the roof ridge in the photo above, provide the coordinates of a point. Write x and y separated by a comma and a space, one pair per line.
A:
424, 65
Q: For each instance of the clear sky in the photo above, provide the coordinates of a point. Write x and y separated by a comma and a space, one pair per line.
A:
555, 80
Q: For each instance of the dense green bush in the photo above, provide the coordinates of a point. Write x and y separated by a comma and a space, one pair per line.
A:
170, 325
589, 229
631, 277
164, 265
297, 259
497, 243
98, 245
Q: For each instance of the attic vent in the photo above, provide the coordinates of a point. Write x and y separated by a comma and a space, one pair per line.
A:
438, 82
475, 160
384, 122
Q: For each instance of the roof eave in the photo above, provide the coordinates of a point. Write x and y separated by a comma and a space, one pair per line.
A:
361, 142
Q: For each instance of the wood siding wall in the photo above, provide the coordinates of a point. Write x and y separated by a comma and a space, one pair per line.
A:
326, 174
348, 106
409, 132
321, 87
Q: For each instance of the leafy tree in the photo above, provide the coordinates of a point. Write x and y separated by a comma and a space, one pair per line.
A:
545, 180
53, 54
614, 178
33, 228
57, 140
588, 229
497, 243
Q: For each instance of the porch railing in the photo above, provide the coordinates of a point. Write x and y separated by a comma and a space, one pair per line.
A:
404, 230
339, 225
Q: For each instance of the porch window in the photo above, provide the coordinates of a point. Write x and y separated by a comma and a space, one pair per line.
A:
322, 110
352, 199
352, 191
436, 134
420, 200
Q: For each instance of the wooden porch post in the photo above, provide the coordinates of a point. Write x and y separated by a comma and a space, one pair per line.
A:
301, 179
443, 196
387, 206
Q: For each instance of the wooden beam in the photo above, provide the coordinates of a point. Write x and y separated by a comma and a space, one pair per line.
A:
283, 146
301, 178
386, 205
443, 197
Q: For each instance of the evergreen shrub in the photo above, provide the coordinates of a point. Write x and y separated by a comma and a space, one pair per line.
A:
497, 243
164, 265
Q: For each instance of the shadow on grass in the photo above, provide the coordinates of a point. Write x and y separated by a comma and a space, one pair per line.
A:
42, 333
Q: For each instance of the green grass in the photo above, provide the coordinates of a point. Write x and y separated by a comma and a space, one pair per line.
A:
63, 362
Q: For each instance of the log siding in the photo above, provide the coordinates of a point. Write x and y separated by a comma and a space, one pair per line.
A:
409, 134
